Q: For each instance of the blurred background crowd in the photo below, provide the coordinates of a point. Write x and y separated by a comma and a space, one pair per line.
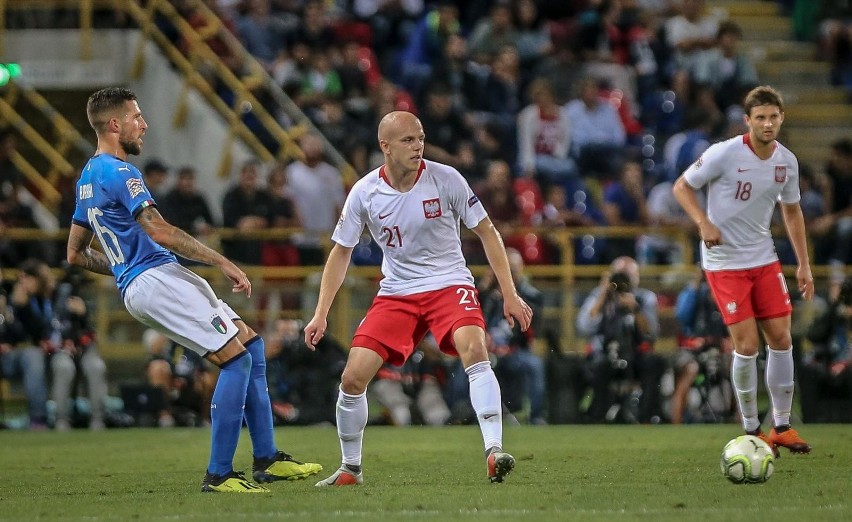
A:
560, 114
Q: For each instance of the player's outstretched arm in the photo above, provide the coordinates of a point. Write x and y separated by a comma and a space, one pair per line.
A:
332, 277
513, 306
80, 252
171, 237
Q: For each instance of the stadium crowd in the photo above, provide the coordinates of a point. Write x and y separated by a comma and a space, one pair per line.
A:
559, 114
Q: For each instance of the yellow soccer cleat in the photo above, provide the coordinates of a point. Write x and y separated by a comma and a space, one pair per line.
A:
233, 482
282, 466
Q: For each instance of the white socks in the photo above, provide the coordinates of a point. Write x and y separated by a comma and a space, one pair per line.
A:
779, 382
351, 421
485, 398
744, 380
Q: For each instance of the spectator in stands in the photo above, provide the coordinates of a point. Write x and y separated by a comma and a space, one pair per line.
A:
302, 381
704, 346
495, 193
729, 72
598, 136
449, 135
285, 213
31, 309
318, 192
186, 379
501, 97
11, 334
519, 369
345, 133
557, 213
620, 320
563, 70
390, 21
155, 173
490, 143
494, 33
624, 204
544, 137
77, 355
185, 207
690, 34
353, 74
260, 34
412, 393
455, 69
835, 228
835, 39
683, 148
319, 83
533, 37
246, 208
314, 28
664, 210
421, 54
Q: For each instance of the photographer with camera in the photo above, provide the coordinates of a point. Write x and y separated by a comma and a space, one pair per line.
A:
704, 351
826, 379
620, 320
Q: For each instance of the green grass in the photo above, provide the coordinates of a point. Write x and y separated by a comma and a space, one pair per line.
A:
563, 473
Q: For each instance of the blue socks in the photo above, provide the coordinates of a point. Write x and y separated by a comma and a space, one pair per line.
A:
258, 410
226, 413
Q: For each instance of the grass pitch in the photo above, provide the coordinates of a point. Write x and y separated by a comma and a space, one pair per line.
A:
562, 473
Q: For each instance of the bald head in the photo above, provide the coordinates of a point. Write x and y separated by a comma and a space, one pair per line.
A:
395, 122
627, 265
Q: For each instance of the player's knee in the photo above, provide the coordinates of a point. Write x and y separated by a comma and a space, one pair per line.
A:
353, 384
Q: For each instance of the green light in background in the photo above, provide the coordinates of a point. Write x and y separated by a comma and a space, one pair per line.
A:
9, 71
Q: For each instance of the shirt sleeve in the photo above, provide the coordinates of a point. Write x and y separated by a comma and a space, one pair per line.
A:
791, 192
705, 169
127, 186
351, 223
79, 217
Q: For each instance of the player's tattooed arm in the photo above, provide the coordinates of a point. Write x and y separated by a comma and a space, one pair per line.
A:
175, 239
81, 253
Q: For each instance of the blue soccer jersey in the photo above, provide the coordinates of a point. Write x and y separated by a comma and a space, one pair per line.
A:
109, 195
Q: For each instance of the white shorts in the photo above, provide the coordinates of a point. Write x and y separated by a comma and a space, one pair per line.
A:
181, 305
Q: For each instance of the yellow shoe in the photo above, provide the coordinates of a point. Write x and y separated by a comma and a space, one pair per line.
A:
282, 466
233, 482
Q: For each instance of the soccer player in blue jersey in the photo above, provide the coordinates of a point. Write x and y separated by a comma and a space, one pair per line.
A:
139, 249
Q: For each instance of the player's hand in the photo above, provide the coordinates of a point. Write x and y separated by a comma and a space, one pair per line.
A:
238, 277
710, 234
516, 308
314, 331
805, 281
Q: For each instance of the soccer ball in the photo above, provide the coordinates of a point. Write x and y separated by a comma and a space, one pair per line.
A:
747, 459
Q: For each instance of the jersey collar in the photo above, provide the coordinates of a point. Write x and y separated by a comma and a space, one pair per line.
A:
747, 141
385, 176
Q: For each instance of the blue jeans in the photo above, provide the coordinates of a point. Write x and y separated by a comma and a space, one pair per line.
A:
29, 364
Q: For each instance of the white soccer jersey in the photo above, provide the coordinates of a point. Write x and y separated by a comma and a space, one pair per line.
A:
741, 197
417, 230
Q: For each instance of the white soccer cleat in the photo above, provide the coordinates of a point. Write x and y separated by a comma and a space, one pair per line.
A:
342, 477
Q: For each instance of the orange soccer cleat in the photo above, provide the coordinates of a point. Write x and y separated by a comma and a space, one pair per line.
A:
789, 439
499, 465
762, 436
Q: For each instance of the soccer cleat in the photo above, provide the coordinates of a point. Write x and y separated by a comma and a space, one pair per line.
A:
500, 464
233, 482
282, 466
789, 439
342, 477
762, 436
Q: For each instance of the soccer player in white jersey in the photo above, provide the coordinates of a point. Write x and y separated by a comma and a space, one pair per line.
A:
745, 177
413, 208
139, 247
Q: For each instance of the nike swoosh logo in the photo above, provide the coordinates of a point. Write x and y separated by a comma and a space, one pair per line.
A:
469, 308
385, 215
742, 170
488, 416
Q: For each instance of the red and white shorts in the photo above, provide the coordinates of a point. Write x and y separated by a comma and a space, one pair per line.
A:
752, 292
394, 325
